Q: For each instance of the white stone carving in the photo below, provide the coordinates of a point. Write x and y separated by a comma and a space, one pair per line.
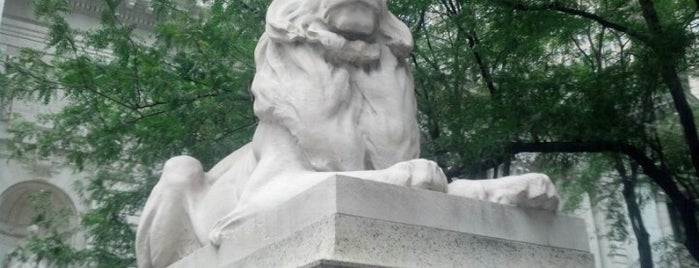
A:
357, 223
533, 190
334, 96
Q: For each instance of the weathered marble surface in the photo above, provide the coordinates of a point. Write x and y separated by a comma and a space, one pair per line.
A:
334, 96
349, 222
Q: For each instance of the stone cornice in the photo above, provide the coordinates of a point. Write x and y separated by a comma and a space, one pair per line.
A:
137, 12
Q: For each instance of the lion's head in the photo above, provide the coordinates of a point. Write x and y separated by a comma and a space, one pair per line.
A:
339, 26
334, 72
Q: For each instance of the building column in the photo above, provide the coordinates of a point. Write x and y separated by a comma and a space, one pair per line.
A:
2, 8
2, 46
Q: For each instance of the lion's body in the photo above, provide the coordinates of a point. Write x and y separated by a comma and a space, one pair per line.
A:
333, 95
315, 116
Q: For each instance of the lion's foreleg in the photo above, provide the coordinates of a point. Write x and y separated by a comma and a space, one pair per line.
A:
531, 190
416, 173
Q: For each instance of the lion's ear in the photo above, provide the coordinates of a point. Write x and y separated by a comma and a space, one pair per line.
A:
397, 34
281, 31
284, 20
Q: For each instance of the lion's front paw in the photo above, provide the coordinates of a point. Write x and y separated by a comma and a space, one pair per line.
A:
532, 190
541, 192
418, 173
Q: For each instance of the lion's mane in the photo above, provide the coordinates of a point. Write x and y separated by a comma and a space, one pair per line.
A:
353, 95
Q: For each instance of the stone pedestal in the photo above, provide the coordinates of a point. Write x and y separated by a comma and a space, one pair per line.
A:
348, 222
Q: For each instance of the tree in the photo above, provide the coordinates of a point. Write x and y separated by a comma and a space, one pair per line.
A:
505, 77
661, 39
612, 184
664, 51
183, 89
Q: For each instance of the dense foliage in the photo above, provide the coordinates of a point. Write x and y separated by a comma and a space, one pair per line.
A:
498, 78
493, 78
136, 97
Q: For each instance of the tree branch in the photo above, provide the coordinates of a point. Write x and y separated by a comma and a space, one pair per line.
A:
556, 6
473, 42
660, 177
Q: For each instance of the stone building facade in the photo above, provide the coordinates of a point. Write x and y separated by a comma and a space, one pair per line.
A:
19, 180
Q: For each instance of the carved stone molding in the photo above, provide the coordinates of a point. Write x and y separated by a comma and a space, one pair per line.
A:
139, 12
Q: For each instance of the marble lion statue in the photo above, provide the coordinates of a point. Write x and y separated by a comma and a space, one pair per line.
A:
333, 95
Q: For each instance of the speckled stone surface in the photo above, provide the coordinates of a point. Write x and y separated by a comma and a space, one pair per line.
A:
347, 222
401, 245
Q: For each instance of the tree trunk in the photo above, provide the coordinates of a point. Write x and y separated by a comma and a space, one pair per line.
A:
685, 205
668, 71
687, 213
645, 254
